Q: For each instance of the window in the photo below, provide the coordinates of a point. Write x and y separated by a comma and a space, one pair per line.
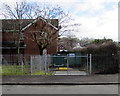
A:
22, 36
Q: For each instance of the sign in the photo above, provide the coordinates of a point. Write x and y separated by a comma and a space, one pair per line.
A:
44, 52
71, 54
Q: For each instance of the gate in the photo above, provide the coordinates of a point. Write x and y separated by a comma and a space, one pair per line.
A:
70, 64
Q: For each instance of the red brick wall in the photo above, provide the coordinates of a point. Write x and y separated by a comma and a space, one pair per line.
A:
32, 47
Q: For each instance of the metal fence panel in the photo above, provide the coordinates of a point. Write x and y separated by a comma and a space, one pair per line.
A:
29, 64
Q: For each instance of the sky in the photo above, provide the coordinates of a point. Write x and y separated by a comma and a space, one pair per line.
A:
98, 18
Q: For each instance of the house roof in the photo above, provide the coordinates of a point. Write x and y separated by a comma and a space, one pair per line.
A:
13, 24
52, 22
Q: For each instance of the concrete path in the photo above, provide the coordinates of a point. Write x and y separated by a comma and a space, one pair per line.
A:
70, 73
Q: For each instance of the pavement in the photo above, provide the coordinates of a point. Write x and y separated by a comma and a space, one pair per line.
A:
61, 80
70, 73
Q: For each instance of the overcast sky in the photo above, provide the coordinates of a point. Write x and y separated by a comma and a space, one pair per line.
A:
98, 18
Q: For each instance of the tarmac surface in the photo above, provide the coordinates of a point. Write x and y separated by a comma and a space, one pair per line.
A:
61, 89
60, 80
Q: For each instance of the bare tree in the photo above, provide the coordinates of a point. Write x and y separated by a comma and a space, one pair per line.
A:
14, 19
46, 35
86, 41
68, 43
17, 14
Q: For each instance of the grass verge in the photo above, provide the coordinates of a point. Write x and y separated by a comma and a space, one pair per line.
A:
12, 70
42, 73
18, 70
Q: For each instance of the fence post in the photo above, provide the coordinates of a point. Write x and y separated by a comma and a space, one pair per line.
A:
87, 64
21, 56
22, 67
31, 65
67, 65
41, 62
1, 65
48, 62
90, 63
45, 61
0, 59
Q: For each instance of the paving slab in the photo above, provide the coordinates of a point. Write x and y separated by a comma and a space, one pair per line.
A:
70, 73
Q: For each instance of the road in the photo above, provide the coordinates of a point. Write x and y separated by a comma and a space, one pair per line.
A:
60, 89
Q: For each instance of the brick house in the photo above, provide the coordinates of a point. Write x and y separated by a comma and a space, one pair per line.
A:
27, 45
